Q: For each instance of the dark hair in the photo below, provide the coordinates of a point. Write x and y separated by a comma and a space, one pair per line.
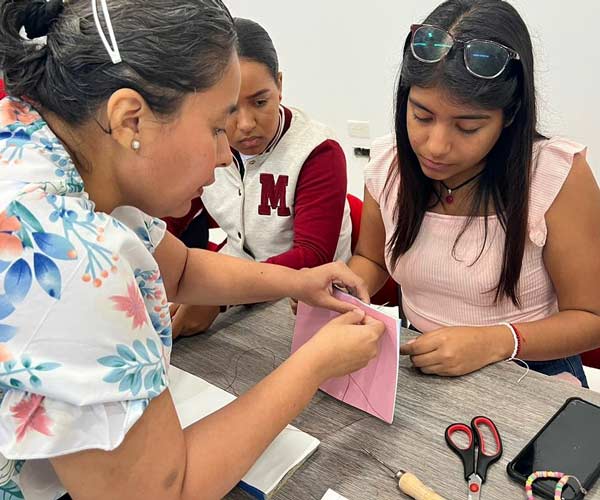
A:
169, 48
254, 43
504, 183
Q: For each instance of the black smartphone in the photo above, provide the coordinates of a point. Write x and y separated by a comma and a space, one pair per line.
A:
569, 443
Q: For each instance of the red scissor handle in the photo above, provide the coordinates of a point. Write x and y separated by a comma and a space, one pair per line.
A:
467, 454
486, 458
453, 429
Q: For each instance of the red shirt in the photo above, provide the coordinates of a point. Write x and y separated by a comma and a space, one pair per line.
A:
177, 225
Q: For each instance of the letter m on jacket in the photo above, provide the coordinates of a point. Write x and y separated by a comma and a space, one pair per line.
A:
272, 195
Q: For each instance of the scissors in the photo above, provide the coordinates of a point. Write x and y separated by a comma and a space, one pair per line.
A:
476, 456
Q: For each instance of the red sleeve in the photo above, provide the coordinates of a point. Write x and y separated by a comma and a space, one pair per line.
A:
2, 92
177, 225
319, 208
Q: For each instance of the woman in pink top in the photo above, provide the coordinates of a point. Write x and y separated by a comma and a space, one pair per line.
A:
490, 228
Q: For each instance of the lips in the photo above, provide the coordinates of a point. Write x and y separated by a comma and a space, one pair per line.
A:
432, 165
250, 142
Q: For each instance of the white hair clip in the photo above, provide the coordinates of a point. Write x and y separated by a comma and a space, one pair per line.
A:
113, 51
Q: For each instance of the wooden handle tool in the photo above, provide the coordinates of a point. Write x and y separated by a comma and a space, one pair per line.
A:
413, 487
409, 483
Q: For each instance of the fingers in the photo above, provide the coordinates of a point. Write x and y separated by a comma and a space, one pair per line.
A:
357, 317
444, 371
409, 348
426, 360
377, 326
362, 292
354, 283
330, 302
193, 319
422, 345
173, 308
435, 370
436, 363
353, 317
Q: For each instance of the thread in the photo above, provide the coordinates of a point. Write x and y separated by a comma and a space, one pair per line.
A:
524, 365
230, 386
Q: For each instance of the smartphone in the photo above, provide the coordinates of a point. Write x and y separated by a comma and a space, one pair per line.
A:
569, 443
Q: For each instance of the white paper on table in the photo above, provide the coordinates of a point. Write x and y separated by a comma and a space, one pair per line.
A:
332, 495
195, 398
391, 311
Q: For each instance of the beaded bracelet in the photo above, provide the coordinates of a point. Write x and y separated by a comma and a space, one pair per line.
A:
561, 476
520, 337
516, 339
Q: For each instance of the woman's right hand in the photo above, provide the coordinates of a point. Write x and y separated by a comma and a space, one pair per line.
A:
345, 344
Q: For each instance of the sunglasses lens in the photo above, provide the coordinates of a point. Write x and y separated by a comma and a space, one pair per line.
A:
486, 59
431, 44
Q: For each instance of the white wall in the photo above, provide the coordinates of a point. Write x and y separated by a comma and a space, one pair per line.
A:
340, 59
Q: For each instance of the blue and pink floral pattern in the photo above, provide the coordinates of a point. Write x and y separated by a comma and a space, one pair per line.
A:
85, 330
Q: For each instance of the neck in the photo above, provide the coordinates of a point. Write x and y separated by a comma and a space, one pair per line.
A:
454, 195
89, 148
458, 179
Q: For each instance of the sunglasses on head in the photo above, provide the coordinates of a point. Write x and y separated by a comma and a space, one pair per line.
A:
483, 58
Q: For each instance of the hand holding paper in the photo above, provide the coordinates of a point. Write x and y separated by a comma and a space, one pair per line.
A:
347, 343
315, 286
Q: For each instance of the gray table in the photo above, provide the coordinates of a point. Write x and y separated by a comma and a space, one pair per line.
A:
245, 344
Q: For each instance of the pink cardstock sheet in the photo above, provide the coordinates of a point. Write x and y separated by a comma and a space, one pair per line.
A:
373, 388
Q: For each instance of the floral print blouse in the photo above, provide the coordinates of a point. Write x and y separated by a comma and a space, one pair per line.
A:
85, 331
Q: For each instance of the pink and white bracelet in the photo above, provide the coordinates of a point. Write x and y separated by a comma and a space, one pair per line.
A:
563, 479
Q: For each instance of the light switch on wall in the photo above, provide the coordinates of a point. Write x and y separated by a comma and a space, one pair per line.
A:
359, 129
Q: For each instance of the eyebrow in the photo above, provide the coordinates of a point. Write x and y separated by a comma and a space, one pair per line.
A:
230, 110
417, 104
258, 94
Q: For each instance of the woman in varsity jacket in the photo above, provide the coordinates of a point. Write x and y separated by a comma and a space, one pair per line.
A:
283, 199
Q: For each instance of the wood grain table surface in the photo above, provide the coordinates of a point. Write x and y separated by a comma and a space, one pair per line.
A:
246, 343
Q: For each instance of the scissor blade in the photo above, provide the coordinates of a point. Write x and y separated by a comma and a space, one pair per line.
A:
474, 487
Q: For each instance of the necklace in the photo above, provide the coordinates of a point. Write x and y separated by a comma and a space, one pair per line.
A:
449, 198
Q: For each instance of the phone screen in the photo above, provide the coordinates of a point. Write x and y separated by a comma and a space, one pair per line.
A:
569, 443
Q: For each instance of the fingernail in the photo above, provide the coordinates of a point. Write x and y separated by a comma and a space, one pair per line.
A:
359, 311
411, 341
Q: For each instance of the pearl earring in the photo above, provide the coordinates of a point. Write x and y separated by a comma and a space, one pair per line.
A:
135, 145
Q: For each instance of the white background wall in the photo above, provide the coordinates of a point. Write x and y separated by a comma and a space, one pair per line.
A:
340, 59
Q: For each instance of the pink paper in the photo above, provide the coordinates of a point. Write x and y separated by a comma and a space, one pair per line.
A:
373, 388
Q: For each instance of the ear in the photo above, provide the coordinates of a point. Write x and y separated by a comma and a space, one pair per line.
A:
509, 119
280, 85
127, 111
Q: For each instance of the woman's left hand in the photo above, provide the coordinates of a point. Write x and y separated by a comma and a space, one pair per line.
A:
455, 351
315, 286
191, 319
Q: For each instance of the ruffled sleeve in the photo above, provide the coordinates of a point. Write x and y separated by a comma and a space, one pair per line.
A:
552, 161
150, 230
85, 331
